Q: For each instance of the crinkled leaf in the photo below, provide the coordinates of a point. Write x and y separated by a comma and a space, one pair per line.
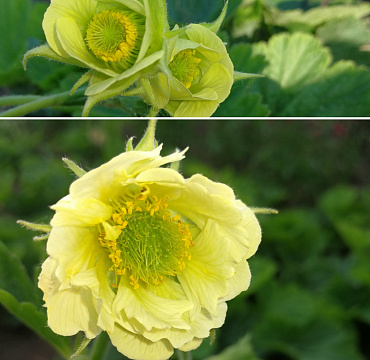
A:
319, 15
344, 90
248, 19
307, 59
345, 36
242, 104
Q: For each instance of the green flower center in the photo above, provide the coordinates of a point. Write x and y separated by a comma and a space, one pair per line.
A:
115, 36
152, 244
184, 67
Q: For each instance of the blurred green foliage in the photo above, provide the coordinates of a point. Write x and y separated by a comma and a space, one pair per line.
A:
314, 55
310, 290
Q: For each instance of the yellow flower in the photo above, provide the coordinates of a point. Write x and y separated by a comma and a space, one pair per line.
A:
146, 255
118, 40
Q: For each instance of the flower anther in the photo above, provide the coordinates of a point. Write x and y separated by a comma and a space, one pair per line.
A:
152, 243
115, 36
184, 67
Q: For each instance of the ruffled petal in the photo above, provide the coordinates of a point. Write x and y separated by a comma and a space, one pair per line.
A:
76, 249
253, 228
136, 346
71, 310
201, 108
100, 183
204, 277
199, 201
149, 309
80, 212
239, 282
218, 79
191, 345
200, 329
199, 34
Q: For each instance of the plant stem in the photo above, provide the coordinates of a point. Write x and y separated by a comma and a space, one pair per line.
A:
40, 102
100, 346
183, 355
13, 100
153, 112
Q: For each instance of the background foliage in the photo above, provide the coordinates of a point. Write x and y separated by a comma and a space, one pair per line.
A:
314, 55
310, 291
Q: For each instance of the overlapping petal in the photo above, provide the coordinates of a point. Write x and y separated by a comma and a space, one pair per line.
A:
146, 320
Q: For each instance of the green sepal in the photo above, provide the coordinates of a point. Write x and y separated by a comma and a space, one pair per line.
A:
74, 167
215, 25
129, 146
81, 347
41, 238
264, 210
114, 90
175, 165
82, 80
148, 142
47, 52
242, 76
34, 226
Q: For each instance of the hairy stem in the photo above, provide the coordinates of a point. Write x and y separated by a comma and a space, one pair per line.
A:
37, 103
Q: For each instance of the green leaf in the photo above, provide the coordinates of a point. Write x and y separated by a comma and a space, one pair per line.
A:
241, 103
248, 19
319, 15
35, 320
345, 36
14, 17
343, 90
242, 350
14, 277
295, 60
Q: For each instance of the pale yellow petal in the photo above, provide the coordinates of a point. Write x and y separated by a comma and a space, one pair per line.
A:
239, 282
75, 248
200, 328
80, 212
161, 175
73, 43
201, 108
81, 11
149, 309
199, 34
71, 310
198, 202
135, 346
191, 345
102, 182
253, 228
204, 278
